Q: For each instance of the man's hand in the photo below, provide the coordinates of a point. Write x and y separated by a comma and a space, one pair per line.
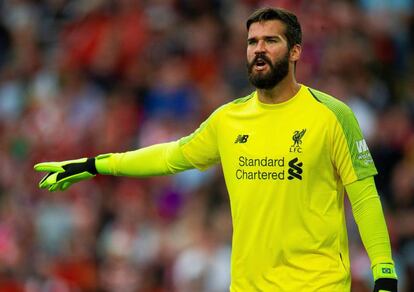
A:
61, 175
385, 278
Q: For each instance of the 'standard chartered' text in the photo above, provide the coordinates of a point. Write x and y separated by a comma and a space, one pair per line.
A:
275, 168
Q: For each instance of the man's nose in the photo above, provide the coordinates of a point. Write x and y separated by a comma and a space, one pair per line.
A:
260, 47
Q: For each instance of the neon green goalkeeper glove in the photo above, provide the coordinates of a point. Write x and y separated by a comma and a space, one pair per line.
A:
61, 175
385, 278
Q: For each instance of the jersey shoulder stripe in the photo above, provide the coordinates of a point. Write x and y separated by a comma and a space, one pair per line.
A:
339, 108
361, 158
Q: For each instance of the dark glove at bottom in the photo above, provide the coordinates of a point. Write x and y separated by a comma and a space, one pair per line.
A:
386, 284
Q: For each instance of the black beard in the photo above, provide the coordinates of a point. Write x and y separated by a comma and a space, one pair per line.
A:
278, 71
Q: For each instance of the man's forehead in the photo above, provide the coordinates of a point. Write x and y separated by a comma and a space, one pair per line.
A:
267, 28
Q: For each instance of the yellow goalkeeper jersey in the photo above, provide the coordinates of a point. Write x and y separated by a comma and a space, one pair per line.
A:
285, 167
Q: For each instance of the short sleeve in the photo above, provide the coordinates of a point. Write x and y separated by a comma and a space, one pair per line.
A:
350, 152
348, 149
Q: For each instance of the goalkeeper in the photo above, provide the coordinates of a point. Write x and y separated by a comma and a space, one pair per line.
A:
289, 228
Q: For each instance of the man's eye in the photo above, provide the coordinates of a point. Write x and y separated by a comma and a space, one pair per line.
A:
251, 42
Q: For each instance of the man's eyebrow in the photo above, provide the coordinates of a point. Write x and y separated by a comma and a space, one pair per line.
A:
273, 37
266, 37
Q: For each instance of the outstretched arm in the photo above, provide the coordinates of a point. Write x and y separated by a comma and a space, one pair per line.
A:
197, 150
159, 159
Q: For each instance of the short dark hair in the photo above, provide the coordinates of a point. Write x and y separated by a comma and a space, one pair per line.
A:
293, 30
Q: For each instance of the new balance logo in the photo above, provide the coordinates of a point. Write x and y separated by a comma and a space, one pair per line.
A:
361, 146
295, 169
241, 139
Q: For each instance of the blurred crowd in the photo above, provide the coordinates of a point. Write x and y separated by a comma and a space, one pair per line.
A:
84, 77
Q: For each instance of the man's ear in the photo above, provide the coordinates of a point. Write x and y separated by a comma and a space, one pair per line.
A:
295, 53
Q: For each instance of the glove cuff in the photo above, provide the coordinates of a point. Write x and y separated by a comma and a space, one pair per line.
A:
384, 271
103, 164
90, 166
386, 285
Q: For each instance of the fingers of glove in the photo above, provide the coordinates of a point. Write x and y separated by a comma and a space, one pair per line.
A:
48, 180
65, 186
52, 183
76, 177
54, 187
45, 178
48, 166
59, 186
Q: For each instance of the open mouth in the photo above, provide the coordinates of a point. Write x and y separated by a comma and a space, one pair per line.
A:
260, 64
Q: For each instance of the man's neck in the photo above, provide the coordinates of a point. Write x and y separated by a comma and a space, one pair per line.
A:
283, 91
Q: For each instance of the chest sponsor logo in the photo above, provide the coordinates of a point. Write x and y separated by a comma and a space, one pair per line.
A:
297, 141
267, 168
241, 139
295, 169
